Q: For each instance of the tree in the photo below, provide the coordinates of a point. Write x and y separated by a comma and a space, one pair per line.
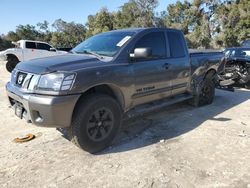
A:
90, 26
126, 16
179, 16
234, 21
4, 44
43, 26
67, 34
101, 22
12, 36
196, 19
27, 32
205, 23
44, 31
136, 13
145, 15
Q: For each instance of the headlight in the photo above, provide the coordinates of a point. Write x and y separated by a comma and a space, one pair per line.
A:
56, 82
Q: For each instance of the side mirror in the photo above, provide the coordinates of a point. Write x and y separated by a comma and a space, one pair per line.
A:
141, 53
52, 49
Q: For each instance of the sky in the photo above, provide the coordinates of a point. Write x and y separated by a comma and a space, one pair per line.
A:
16, 12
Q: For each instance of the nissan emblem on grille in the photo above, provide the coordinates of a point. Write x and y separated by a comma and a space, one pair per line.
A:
20, 79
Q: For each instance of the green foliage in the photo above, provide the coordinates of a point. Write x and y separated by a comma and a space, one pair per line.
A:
205, 23
136, 13
67, 34
178, 16
126, 16
101, 22
4, 44
234, 19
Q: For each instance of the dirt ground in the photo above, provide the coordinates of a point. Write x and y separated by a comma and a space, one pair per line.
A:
180, 146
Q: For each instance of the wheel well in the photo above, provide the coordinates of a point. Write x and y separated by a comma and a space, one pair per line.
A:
11, 55
112, 91
210, 73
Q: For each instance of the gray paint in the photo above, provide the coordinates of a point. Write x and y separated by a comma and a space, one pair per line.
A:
133, 82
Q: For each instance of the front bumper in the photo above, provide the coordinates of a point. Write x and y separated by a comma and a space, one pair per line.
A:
45, 111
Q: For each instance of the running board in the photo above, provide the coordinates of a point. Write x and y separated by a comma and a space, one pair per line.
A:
146, 108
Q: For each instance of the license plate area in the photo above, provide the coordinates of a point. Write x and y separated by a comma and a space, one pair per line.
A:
19, 110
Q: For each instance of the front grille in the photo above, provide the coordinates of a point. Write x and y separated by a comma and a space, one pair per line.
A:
20, 78
24, 80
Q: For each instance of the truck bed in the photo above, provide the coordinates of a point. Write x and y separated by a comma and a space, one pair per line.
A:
203, 51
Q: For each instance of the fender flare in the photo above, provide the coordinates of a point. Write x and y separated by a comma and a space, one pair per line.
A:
13, 55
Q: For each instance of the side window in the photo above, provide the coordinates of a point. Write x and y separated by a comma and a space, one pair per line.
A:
30, 45
156, 41
176, 44
42, 46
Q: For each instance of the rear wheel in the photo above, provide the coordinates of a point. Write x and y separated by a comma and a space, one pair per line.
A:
96, 121
206, 92
12, 61
247, 85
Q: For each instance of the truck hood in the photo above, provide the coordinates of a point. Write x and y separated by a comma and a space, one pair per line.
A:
67, 62
8, 50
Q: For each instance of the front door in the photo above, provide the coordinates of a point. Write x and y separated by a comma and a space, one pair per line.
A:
152, 76
43, 50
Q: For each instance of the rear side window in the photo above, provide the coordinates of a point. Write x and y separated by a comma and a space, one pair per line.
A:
176, 44
156, 41
31, 45
42, 46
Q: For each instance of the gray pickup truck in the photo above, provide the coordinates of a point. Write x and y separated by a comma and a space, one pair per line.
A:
109, 77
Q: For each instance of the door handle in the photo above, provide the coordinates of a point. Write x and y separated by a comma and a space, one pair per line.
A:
166, 66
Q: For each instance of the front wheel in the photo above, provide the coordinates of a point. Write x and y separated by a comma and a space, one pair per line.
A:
12, 61
96, 121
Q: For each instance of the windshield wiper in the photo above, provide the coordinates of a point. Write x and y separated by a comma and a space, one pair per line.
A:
93, 53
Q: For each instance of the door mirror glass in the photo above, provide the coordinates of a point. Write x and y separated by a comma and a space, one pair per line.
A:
52, 49
141, 53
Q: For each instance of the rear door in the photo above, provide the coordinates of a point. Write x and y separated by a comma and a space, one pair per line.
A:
30, 51
179, 61
152, 76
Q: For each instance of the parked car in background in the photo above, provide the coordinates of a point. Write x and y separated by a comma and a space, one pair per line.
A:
246, 43
25, 50
236, 67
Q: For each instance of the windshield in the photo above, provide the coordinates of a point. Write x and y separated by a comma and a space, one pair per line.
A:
105, 44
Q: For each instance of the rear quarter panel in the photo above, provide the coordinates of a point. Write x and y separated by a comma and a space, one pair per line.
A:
202, 63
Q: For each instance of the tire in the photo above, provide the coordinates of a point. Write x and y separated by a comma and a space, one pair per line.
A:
247, 85
206, 93
90, 130
12, 61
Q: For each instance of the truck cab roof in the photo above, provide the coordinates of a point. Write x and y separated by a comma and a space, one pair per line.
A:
137, 30
23, 41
